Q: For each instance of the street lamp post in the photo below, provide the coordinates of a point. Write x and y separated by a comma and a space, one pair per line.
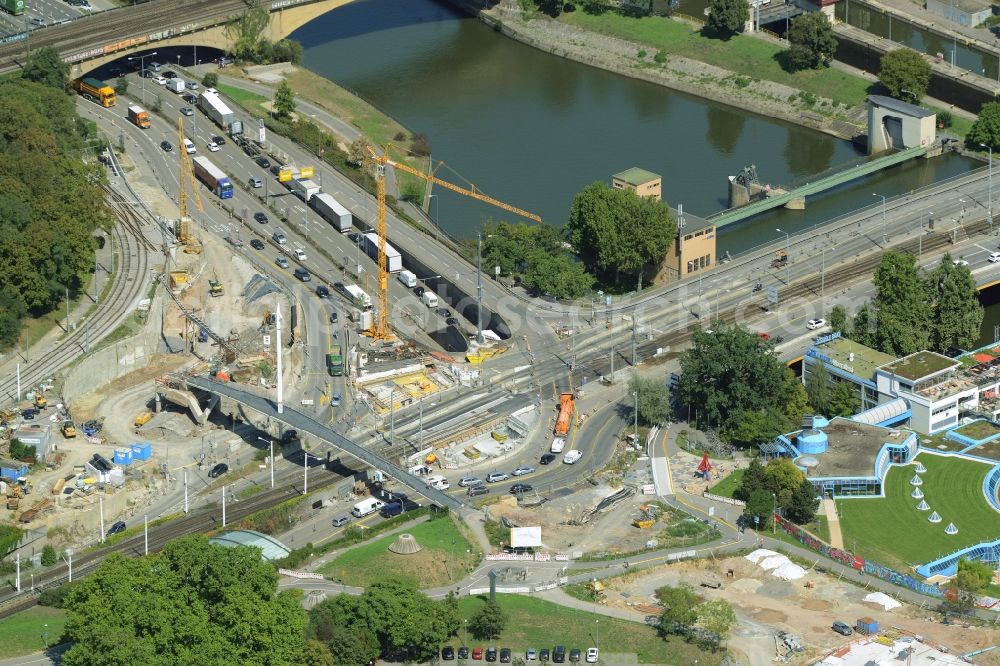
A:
479, 287
142, 71
885, 237
437, 208
635, 394
990, 213
598, 641
788, 254
822, 277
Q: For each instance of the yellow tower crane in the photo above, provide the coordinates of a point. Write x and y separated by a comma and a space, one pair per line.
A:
381, 330
186, 169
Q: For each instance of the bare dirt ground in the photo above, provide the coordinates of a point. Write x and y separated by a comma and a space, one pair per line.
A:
765, 604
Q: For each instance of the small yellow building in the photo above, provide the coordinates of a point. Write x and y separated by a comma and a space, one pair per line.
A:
642, 182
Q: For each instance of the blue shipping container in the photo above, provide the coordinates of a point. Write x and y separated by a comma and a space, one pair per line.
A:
122, 456
142, 451
13, 470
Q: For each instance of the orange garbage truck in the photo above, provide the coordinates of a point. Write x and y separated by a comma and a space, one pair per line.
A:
565, 414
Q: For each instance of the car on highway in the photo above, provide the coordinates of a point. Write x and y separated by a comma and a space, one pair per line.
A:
257, 244
522, 470
303, 275
497, 477
212, 147
467, 481
117, 528
520, 488
448, 653
813, 324
592, 655
960, 262
263, 162
842, 628
444, 312
192, 85
189, 98
478, 490
255, 182
341, 521
281, 261
463, 652
146, 74
290, 435
322, 291
419, 291
335, 400
334, 317
994, 257
260, 217
451, 321
159, 80
279, 237
572, 456
504, 655
219, 140
531, 654
299, 254
477, 653
546, 458
187, 111
169, 74
40, 22
218, 471
166, 146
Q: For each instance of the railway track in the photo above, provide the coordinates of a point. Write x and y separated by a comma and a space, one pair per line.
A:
127, 287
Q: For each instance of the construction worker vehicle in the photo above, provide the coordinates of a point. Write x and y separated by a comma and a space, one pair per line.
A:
215, 288
647, 517
142, 419
41, 402
68, 429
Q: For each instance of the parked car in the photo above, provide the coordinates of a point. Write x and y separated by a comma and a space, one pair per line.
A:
166, 146
475, 491
341, 521
323, 291
257, 244
520, 488
263, 162
813, 324
303, 275
29, 414
187, 111
491, 654
558, 654
467, 481
463, 652
592, 655
522, 470
260, 217
994, 257
448, 653
117, 528
496, 477
574, 655
842, 628
531, 654
504, 655
543, 655
546, 458
218, 471
282, 261
477, 653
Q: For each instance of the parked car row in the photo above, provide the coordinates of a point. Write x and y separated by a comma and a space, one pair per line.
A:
557, 655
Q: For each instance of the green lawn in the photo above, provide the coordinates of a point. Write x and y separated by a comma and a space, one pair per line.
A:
892, 532
241, 96
742, 54
533, 622
977, 430
728, 485
23, 633
438, 563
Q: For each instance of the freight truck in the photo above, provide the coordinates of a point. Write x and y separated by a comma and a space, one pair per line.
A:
565, 418
304, 189
138, 117
394, 261
96, 91
358, 297
335, 361
215, 108
213, 177
15, 7
331, 211
289, 172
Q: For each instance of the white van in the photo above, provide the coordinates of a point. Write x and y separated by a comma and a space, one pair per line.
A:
189, 147
366, 507
437, 482
572, 456
175, 85
430, 299
558, 444
407, 278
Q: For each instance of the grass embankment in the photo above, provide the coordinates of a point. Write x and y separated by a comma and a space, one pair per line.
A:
745, 55
444, 558
728, 485
537, 623
24, 632
893, 532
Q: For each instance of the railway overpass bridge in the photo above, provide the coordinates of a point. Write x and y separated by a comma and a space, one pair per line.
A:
94, 40
304, 423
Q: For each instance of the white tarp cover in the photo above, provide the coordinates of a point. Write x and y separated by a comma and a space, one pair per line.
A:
883, 600
789, 571
760, 553
526, 537
773, 562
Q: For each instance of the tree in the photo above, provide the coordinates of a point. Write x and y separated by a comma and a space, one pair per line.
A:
413, 191
727, 17
245, 31
818, 387
802, 505
811, 36
782, 477
956, 314
753, 480
986, 129
905, 74
194, 602
489, 621
844, 400
731, 373
284, 100
653, 398
619, 234
210, 80
840, 321
359, 152
402, 618
317, 654
450, 613
753, 428
973, 575
759, 508
121, 85
679, 605
46, 66
287, 50
716, 617
49, 556
557, 275
898, 320
536, 256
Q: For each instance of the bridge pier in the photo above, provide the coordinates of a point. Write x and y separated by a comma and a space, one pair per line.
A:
798, 203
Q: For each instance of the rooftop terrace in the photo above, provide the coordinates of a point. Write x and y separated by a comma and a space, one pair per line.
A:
852, 448
919, 365
861, 364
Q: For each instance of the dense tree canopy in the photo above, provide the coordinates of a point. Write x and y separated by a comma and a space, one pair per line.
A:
956, 315
905, 74
193, 603
653, 398
812, 41
986, 129
727, 17
284, 100
50, 202
536, 256
731, 379
618, 234
46, 66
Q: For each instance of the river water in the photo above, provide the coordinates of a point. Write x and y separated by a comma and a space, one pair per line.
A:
532, 129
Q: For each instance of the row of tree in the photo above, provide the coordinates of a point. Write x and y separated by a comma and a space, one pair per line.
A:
246, 31
915, 309
687, 614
